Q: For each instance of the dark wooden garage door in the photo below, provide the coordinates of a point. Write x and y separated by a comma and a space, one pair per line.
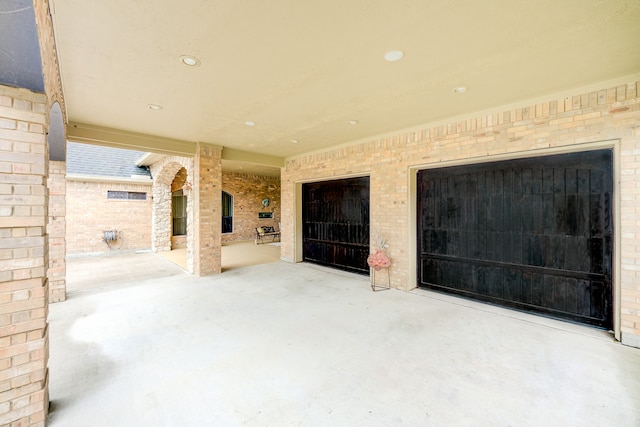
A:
335, 217
534, 234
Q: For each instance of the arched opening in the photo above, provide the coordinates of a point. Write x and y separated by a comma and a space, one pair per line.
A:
227, 212
179, 210
168, 233
56, 136
57, 208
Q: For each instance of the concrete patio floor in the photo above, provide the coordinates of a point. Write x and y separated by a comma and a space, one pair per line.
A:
278, 344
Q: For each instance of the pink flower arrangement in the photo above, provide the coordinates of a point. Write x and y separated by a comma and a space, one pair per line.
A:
378, 260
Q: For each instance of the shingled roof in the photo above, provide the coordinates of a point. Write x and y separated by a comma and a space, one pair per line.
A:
85, 159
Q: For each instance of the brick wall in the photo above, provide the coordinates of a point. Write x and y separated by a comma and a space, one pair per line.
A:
89, 213
204, 255
565, 124
23, 257
248, 191
56, 229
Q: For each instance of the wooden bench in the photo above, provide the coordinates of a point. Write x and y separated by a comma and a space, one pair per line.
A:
263, 232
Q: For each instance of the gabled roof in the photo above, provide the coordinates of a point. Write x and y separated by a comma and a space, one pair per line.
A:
85, 159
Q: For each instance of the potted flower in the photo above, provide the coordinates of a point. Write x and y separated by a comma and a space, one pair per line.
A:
379, 259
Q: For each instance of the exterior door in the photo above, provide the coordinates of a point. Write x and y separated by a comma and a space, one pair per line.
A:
335, 217
534, 234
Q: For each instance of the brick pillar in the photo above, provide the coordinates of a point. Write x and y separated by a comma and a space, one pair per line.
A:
207, 214
56, 229
24, 338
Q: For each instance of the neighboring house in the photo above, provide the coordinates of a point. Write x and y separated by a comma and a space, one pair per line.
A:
108, 200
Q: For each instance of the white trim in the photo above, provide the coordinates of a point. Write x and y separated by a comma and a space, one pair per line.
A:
149, 159
142, 180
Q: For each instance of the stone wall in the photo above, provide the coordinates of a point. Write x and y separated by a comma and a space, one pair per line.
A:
90, 212
164, 175
609, 117
248, 191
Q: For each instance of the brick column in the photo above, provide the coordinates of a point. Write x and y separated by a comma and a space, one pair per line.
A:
23, 258
207, 214
56, 229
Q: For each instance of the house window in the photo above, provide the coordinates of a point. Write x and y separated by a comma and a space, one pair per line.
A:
126, 195
227, 212
179, 213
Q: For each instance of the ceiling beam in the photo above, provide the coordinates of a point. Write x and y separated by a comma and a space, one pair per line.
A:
254, 158
117, 138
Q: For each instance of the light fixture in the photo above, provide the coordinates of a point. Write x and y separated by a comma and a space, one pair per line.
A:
250, 123
394, 55
352, 122
155, 107
460, 89
190, 61
294, 141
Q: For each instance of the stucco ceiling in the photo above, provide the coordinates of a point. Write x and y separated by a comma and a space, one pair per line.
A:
301, 70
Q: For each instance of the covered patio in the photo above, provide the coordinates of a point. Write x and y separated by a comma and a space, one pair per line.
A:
298, 344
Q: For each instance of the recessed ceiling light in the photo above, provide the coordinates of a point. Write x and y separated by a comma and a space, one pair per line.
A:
294, 141
250, 123
154, 107
393, 55
460, 89
190, 61
352, 122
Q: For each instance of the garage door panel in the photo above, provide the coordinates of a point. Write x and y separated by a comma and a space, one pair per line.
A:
532, 248
583, 218
583, 298
335, 228
537, 290
575, 299
571, 295
534, 234
513, 288
596, 215
596, 250
598, 303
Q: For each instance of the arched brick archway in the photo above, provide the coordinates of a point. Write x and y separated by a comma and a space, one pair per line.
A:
202, 188
161, 212
56, 184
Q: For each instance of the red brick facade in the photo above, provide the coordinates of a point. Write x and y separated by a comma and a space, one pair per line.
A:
248, 192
